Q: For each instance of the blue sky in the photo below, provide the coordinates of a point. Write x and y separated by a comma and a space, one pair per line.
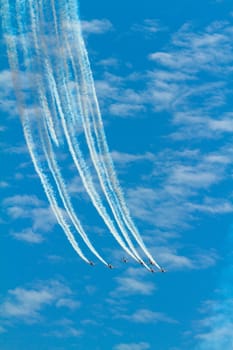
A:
163, 75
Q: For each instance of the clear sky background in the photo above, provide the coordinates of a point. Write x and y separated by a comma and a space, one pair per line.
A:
163, 73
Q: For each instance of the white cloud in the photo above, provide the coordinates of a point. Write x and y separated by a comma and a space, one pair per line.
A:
133, 346
2, 128
180, 185
67, 332
127, 158
7, 97
193, 176
204, 125
28, 236
147, 316
24, 200
24, 303
21, 149
27, 304
65, 328
4, 184
134, 281
171, 257
2, 330
130, 285
68, 303
214, 329
213, 206
175, 84
163, 58
31, 208
125, 109
149, 27
108, 62
96, 26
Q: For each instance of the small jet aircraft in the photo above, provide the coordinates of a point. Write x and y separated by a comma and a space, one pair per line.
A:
152, 270
141, 262
163, 270
91, 263
151, 262
124, 260
110, 266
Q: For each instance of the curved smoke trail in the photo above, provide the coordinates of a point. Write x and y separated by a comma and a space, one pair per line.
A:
61, 112
49, 153
63, 102
26, 120
71, 138
106, 169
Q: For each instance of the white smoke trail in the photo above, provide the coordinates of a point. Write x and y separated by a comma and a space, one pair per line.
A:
79, 161
33, 11
51, 158
25, 120
48, 151
88, 107
48, 189
84, 175
101, 174
98, 165
102, 143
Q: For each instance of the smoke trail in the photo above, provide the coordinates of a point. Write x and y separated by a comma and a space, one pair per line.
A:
78, 158
50, 157
95, 159
62, 119
25, 120
107, 173
49, 119
77, 161
48, 189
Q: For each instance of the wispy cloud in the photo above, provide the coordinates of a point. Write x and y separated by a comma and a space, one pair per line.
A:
133, 346
149, 26
28, 236
30, 208
180, 180
124, 159
7, 97
109, 62
27, 304
134, 281
68, 303
130, 285
2, 330
176, 82
2, 128
147, 316
194, 258
4, 184
67, 332
214, 329
65, 328
96, 26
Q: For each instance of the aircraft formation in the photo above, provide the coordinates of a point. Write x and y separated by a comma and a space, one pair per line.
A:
125, 261
47, 54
